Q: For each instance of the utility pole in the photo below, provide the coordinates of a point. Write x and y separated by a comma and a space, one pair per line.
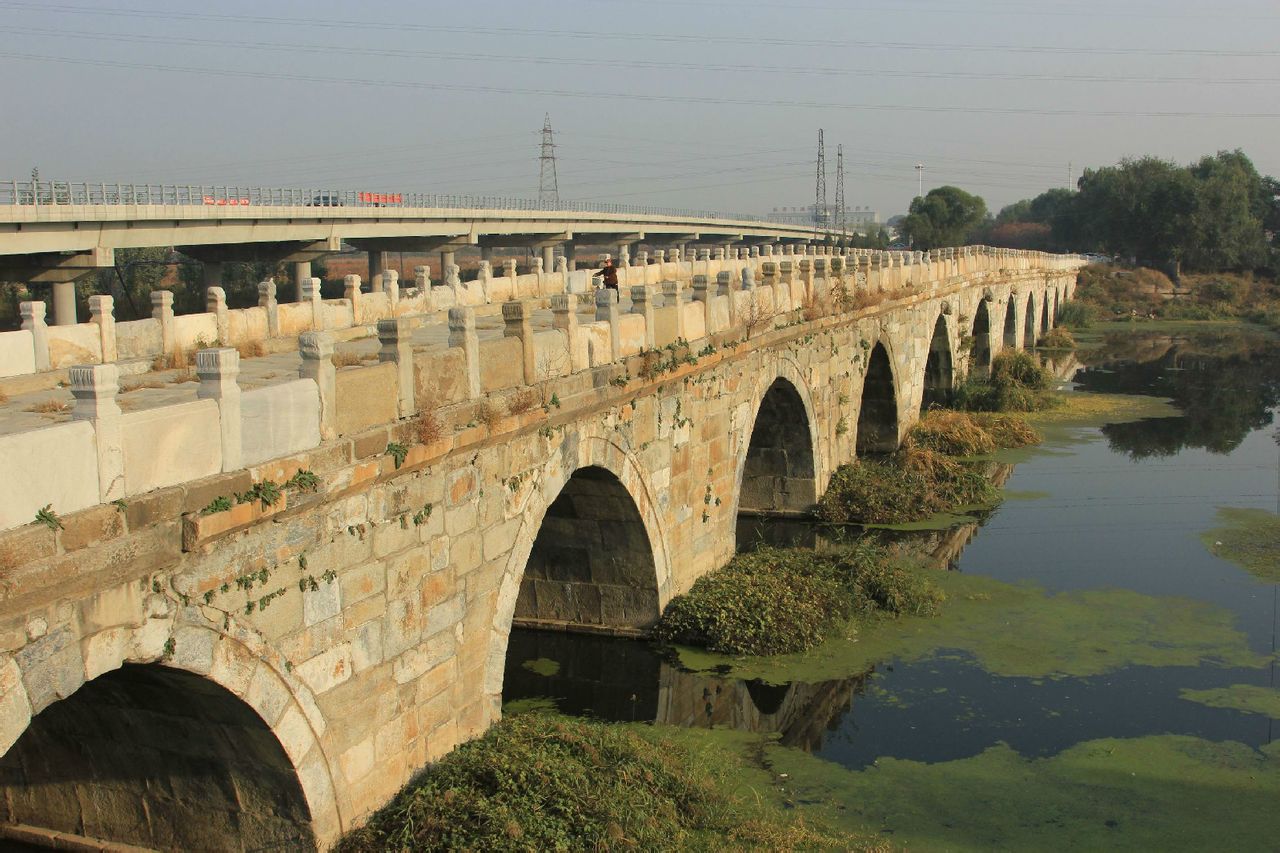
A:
820, 191
919, 180
548, 189
840, 223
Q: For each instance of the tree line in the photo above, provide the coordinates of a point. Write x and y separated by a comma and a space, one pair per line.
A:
1215, 214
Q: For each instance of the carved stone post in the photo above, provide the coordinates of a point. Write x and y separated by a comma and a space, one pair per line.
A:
394, 335
94, 386
565, 318
351, 293
642, 304
671, 296
607, 310
462, 333
267, 301
311, 295
516, 324
218, 370
316, 349
33, 321
100, 314
702, 293
162, 312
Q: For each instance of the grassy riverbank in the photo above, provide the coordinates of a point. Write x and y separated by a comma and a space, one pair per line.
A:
541, 781
1106, 292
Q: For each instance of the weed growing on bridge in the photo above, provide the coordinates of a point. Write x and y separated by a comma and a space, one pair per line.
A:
778, 601
523, 400
303, 480
1017, 384
428, 428
221, 503
540, 781
49, 518
266, 491
397, 452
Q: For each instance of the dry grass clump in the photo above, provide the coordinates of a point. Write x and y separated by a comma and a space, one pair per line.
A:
488, 414
251, 349
4, 398
523, 400
1008, 430
127, 387
952, 433
179, 359
428, 428
347, 358
50, 407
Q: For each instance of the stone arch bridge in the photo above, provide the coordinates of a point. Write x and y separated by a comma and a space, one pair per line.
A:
179, 670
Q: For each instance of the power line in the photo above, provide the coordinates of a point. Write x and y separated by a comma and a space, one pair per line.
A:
702, 100
700, 38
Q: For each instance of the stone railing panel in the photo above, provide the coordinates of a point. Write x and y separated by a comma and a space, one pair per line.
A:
194, 331
366, 397
298, 317
718, 311
56, 465
631, 331
440, 377
141, 338
78, 344
337, 314
597, 337
170, 445
666, 325
17, 353
279, 420
501, 364
245, 325
695, 321
551, 358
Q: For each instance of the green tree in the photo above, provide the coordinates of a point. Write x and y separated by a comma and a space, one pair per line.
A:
943, 217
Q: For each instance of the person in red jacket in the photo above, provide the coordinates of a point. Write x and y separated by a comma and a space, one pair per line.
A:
610, 274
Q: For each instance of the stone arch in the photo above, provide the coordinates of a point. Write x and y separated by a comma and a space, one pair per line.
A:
591, 563
1029, 327
779, 467
577, 452
878, 421
939, 367
1010, 324
238, 668
1044, 313
980, 357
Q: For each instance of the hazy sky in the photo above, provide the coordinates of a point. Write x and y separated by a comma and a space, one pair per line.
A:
710, 104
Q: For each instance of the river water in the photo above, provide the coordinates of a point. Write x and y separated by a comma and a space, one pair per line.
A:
1099, 676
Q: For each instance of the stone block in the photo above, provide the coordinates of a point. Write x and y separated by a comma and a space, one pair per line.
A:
25, 545
366, 397
327, 669
82, 529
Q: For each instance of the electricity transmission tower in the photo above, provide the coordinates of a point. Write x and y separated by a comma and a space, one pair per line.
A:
820, 191
840, 218
548, 190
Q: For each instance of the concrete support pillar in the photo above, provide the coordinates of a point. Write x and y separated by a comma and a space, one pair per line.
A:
162, 312
267, 301
565, 318
377, 263
33, 321
64, 303
95, 386
642, 304
486, 254
301, 275
311, 296
607, 310
571, 256
211, 275
516, 324
548, 258
215, 303
394, 335
219, 370
462, 334
316, 349
351, 293
100, 314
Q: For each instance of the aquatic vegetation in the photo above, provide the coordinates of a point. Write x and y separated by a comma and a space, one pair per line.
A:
1019, 630
911, 485
1017, 383
542, 666
1250, 538
1152, 793
538, 781
1249, 698
776, 601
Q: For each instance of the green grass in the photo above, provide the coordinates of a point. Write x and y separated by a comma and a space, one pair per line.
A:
539, 781
1017, 383
778, 601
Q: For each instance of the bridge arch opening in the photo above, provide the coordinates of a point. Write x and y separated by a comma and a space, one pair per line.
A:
156, 757
1010, 324
1029, 327
878, 414
980, 358
1044, 314
778, 475
591, 566
939, 371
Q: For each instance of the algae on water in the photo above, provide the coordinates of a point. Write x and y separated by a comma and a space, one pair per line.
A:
1247, 698
1250, 538
1152, 793
542, 666
1018, 630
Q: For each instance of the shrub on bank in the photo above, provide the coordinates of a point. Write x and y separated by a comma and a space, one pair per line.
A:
1077, 315
778, 601
1017, 383
1059, 338
544, 782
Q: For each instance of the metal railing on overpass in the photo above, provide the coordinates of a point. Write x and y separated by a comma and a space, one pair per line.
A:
52, 193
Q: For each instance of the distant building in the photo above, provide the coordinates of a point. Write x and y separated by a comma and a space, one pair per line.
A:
856, 218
